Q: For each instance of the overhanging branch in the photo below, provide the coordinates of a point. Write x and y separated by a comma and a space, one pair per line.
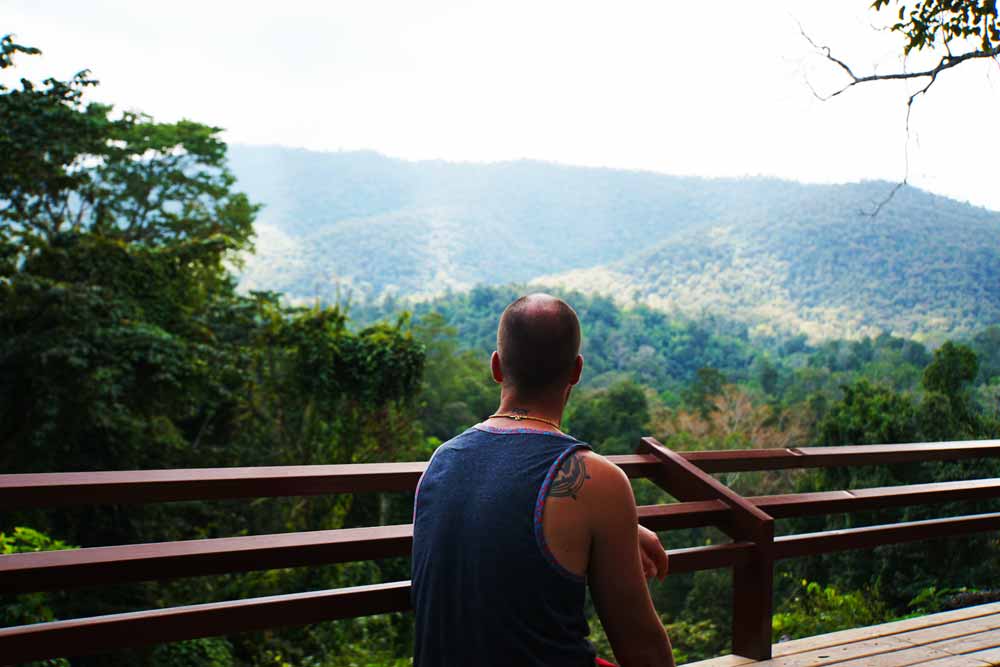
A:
946, 62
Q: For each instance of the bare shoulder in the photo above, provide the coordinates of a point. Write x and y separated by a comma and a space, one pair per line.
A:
586, 473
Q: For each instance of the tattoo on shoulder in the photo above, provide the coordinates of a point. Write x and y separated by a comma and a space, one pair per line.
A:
519, 411
570, 478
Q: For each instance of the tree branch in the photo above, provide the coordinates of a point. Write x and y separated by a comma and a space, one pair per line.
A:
947, 62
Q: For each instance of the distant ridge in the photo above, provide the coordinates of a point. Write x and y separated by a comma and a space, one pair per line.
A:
783, 256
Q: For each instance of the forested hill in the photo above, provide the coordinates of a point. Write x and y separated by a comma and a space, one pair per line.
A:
812, 263
780, 255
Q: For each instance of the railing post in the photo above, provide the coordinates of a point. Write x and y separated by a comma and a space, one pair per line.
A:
753, 579
752, 603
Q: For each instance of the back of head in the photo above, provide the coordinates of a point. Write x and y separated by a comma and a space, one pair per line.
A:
538, 341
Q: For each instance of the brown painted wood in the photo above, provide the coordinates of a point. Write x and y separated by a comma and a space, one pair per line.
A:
98, 634
675, 516
53, 570
740, 460
149, 486
61, 570
146, 486
707, 502
829, 502
752, 578
810, 544
143, 486
687, 482
104, 633
713, 557
695, 514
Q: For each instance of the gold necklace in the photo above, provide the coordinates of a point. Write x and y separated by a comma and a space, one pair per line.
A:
518, 418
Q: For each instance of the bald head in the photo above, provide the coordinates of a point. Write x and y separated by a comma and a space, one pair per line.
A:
538, 341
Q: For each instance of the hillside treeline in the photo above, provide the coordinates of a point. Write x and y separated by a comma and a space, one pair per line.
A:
779, 256
703, 385
124, 344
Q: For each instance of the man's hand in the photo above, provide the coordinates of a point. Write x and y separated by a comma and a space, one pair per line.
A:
652, 555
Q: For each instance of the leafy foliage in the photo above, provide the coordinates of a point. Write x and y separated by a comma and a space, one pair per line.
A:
924, 23
31, 607
816, 610
207, 652
124, 345
611, 419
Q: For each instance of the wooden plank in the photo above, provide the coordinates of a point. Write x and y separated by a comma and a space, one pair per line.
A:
714, 512
147, 486
898, 658
970, 643
54, 570
740, 460
711, 557
99, 634
722, 661
957, 661
74, 488
949, 631
828, 502
687, 483
675, 516
102, 633
695, 514
829, 655
883, 630
990, 656
809, 544
753, 578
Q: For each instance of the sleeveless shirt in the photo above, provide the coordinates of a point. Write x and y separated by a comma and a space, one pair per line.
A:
486, 588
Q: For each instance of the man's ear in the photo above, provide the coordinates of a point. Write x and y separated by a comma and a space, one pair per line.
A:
577, 370
495, 367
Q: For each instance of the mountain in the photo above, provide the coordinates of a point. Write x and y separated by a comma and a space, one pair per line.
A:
820, 264
782, 256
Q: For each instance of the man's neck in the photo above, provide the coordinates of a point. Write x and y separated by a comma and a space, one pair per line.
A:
529, 411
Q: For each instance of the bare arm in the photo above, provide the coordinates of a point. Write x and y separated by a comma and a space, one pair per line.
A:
615, 571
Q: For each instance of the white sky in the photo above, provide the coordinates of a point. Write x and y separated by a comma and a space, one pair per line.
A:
644, 84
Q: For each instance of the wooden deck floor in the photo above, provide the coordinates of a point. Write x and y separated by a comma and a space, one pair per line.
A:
967, 637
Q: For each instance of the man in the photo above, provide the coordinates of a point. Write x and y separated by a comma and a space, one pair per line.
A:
513, 518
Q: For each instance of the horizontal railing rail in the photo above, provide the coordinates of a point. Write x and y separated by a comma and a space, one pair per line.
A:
704, 501
53, 570
154, 486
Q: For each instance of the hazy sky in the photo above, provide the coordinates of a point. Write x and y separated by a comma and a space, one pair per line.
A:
660, 85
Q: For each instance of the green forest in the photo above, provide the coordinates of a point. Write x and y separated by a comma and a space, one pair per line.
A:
126, 343
780, 256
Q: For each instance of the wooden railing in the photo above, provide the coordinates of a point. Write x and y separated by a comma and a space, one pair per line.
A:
703, 501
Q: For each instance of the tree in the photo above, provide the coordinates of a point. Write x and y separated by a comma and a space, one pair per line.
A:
67, 167
947, 410
457, 389
970, 26
869, 414
611, 419
125, 345
708, 382
955, 31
